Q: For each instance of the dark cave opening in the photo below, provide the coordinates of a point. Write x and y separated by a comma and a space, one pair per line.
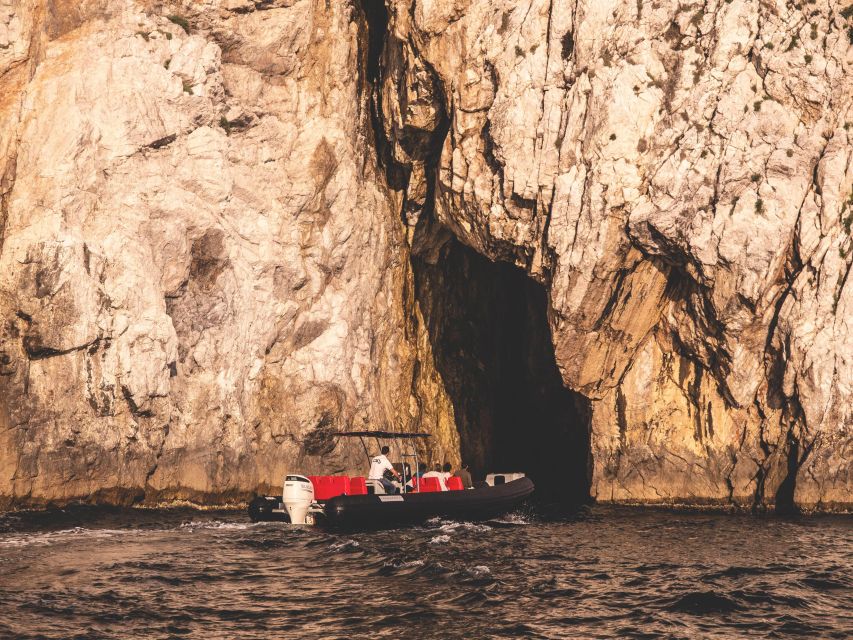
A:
492, 345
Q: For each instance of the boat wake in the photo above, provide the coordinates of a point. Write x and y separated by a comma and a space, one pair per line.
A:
452, 526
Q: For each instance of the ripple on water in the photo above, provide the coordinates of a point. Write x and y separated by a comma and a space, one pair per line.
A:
55, 537
828, 581
399, 567
217, 525
703, 602
453, 526
345, 546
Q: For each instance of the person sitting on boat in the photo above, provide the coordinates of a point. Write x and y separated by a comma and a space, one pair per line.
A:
441, 475
379, 466
465, 475
447, 472
405, 471
412, 483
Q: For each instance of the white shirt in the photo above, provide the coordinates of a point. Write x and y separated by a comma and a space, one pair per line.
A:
442, 478
378, 465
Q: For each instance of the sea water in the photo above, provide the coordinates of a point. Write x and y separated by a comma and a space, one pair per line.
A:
599, 573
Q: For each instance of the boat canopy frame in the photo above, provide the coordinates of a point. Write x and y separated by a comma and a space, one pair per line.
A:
394, 436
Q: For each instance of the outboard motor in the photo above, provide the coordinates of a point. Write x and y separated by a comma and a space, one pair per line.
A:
297, 496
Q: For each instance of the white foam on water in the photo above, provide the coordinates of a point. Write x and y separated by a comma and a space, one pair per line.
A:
344, 545
440, 539
451, 526
406, 564
480, 571
513, 518
54, 537
216, 524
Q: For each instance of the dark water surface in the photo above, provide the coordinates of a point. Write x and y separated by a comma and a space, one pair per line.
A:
607, 572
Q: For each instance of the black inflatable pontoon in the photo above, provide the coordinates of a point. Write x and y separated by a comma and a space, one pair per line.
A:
378, 511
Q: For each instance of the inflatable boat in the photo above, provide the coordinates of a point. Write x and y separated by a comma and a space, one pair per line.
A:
342, 502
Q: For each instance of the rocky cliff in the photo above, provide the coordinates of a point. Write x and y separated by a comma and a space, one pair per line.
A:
606, 241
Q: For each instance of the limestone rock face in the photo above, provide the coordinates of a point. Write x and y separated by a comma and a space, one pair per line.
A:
213, 212
202, 276
678, 176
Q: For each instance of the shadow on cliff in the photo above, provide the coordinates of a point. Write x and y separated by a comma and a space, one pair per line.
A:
488, 326
487, 321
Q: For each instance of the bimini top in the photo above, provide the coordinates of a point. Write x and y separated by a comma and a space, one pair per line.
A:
380, 434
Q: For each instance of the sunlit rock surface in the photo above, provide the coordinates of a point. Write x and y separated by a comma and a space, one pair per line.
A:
212, 216
679, 177
201, 276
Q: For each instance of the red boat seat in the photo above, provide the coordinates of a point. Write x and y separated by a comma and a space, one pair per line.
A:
327, 487
428, 485
454, 484
358, 487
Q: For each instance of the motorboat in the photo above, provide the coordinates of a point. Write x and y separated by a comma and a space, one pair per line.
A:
344, 502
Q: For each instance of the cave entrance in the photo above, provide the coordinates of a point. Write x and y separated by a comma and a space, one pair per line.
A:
488, 326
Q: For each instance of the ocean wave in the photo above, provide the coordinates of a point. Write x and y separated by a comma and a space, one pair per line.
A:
53, 537
452, 525
703, 602
217, 524
513, 518
479, 571
392, 567
344, 545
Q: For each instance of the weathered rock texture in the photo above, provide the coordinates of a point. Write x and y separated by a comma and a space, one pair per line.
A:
230, 228
678, 176
202, 276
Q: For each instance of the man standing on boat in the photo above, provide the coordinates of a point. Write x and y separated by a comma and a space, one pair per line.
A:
465, 475
378, 466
